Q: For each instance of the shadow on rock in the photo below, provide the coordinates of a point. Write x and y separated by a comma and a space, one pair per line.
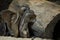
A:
52, 28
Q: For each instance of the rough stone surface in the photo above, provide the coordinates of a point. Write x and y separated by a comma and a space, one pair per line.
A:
45, 12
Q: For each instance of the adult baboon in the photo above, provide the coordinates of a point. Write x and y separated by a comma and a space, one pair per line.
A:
28, 17
6, 16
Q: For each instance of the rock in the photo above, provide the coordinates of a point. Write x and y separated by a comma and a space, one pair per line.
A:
45, 12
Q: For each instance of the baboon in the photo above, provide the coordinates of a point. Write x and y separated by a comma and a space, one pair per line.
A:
27, 17
6, 16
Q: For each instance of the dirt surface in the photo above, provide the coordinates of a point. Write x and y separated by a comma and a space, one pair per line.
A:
12, 38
